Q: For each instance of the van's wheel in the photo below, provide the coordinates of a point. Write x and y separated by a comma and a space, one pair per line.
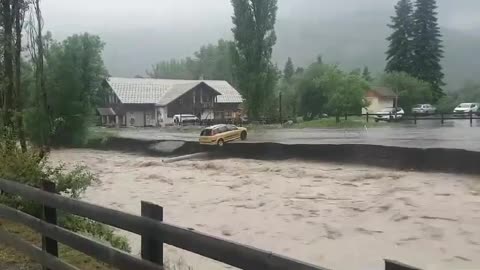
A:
220, 143
243, 136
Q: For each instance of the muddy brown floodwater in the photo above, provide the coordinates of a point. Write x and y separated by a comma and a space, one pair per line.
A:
333, 215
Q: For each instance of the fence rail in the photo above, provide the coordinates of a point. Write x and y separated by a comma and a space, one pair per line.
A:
419, 117
154, 231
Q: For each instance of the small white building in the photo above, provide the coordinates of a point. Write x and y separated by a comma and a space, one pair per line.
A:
379, 98
143, 102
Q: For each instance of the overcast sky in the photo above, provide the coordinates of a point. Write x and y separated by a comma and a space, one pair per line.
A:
142, 32
69, 16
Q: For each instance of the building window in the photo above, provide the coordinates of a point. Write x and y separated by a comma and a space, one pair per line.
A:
180, 101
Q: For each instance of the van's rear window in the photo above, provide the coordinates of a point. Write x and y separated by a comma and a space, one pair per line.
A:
206, 132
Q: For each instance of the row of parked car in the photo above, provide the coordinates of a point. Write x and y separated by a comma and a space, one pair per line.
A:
392, 113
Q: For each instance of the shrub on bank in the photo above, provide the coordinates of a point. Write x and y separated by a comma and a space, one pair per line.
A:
30, 169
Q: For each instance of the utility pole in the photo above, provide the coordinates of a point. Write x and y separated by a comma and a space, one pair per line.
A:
280, 110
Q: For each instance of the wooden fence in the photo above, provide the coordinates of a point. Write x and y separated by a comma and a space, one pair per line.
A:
150, 226
439, 117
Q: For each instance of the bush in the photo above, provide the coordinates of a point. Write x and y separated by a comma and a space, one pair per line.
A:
447, 103
410, 90
30, 169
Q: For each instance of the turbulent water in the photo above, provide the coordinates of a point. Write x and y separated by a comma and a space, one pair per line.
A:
321, 213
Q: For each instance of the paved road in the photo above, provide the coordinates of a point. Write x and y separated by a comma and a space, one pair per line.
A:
427, 134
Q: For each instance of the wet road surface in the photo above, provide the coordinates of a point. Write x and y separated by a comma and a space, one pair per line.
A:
455, 134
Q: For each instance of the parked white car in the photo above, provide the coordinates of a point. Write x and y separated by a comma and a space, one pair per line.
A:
424, 109
185, 118
389, 114
467, 108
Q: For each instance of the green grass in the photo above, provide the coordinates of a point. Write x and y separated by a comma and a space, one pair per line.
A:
15, 260
331, 122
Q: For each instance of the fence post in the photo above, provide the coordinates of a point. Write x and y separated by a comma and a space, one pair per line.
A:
443, 119
471, 119
415, 118
49, 215
152, 250
346, 116
367, 117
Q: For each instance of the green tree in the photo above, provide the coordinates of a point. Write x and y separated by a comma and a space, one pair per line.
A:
408, 89
366, 75
214, 62
469, 92
42, 116
400, 50
320, 59
299, 70
74, 73
254, 33
427, 46
447, 103
210, 62
289, 99
174, 69
8, 56
346, 92
19, 9
290, 95
313, 95
289, 70
357, 72
327, 89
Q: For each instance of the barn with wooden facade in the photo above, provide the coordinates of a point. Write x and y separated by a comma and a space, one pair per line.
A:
141, 102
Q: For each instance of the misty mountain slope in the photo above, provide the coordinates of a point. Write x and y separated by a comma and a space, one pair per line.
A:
462, 61
361, 40
351, 40
132, 52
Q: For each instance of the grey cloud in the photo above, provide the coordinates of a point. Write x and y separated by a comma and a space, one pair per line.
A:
350, 32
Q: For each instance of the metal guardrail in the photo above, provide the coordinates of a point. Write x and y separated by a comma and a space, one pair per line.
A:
154, 231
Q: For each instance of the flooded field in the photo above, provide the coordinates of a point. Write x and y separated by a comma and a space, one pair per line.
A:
333, 215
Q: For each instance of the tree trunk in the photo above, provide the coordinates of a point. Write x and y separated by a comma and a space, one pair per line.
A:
41, 77
19, 17
8, 63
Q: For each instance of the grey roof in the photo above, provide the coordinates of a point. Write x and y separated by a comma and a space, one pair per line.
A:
383, 91
177, 90
163, 91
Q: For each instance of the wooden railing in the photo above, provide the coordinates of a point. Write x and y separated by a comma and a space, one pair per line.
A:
153, 230
441, 117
